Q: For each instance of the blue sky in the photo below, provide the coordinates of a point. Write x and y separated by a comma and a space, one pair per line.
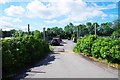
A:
52, 13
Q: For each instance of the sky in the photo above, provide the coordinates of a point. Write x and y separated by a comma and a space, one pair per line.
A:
17, 14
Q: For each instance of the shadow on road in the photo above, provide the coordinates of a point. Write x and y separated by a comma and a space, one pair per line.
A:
43, 62
59, 45
46, 61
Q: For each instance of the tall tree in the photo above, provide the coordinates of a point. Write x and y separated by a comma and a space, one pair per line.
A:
90, 27
106, 29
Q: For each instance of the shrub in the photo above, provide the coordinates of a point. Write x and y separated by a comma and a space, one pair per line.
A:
20, 52
84, 45
101, 48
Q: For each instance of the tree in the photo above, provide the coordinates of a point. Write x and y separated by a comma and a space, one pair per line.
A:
116, 34
37, 34
13, 31
116, 24
53, 32
69, 29
18, 33
106, 29
90, 27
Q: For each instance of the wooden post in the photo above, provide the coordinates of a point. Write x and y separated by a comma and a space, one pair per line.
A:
28, 28
43, 33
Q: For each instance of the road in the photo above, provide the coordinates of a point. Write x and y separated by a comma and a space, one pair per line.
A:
69, 65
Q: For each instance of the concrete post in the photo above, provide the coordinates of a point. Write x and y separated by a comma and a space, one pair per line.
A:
95, 30
1, 33
78, 32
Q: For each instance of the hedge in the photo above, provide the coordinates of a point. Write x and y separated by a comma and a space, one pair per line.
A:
20, 52
102, 48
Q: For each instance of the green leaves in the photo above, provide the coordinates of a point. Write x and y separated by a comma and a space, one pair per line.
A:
37, 34
20, 52
84, 45
101, 48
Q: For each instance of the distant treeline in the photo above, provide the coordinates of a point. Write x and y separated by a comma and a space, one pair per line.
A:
71, 30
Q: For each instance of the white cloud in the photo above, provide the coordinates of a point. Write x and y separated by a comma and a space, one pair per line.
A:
73, 10
17, 20
38, 9
25, 28
6, 25
53, 9
113, 15
5, 18
4, 1
105, 7
14, 11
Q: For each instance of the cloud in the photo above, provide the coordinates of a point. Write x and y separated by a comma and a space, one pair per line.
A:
14, 11
4, 25
113, 16
25, 28
56, 12
4, 1
17, 20
73, 10
52, 9
5, 18
38, 9
105, 7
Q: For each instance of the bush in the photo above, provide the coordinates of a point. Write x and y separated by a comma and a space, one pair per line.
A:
84, 45
101, 48
116, 33
20, 52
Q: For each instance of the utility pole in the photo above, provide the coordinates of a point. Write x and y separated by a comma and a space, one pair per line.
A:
28, 28
78, 31
1, 54
119, 10
1, 33
95, 30
78, 34
43, 33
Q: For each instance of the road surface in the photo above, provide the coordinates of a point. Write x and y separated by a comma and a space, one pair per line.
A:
69, 65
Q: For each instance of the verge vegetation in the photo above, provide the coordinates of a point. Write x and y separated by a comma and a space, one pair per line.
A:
102, 48
21, 51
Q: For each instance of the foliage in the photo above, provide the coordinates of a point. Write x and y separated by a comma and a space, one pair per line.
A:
101, 48
116, 24
53, 32
20, 52
106, 29
90, 27
84, 45
103, 29
116, 33
37, 34
69, 30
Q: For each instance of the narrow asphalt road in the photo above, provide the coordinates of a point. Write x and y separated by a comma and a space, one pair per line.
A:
69, 65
